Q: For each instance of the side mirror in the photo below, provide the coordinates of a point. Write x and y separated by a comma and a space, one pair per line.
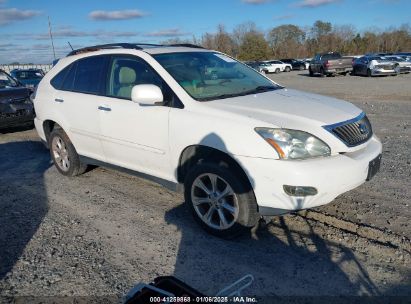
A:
146, 94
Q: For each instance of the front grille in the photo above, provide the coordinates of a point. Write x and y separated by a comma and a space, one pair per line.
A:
18, 113
352, 132
385, 67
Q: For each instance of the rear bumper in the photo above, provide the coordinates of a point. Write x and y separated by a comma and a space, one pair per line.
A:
338, 70
39, 128
331, 176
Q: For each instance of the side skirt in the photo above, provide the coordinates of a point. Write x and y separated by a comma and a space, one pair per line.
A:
176, 187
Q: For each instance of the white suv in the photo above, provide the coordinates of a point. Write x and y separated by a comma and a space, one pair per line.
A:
239, 144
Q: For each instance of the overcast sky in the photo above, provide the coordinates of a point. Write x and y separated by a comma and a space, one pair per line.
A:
24, 25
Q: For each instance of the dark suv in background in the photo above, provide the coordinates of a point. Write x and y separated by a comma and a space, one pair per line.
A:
16, 108
28, 77
296, 64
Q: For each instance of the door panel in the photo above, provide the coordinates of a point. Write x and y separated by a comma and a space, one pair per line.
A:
134, 136
77, 97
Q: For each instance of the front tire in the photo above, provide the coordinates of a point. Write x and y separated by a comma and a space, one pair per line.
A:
221, 201
369, 74
277, 71
287, 69
64, 155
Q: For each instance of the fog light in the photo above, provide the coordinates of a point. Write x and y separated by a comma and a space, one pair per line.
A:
299, 190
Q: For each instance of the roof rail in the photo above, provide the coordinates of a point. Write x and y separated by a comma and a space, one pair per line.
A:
105, 46
135, 46
186, 45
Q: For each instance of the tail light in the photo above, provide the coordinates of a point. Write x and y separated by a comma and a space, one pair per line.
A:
327, 63
352, 62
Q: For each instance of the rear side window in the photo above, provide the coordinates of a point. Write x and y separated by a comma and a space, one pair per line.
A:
89, 76
84, 76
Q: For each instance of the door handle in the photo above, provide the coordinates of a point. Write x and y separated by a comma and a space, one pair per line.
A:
59, 100
104, 108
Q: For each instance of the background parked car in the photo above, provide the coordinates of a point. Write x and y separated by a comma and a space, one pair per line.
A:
28, 77
295, 64
330, 63
375, 65
16, 109
405, 65
279, 66
261, 67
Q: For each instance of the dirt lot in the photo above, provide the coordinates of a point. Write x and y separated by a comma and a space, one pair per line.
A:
102, 232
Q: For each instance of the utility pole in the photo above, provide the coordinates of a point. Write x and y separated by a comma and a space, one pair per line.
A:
51, 38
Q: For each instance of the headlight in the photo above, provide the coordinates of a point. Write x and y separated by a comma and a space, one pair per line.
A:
293, 144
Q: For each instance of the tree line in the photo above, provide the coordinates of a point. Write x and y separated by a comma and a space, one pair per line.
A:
247, 42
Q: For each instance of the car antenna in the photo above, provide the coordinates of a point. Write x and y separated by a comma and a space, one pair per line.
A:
70, 45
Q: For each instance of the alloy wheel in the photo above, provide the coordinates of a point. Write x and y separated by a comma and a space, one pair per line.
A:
60, 153
214, 201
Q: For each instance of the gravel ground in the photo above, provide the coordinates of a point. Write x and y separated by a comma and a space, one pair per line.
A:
99, 234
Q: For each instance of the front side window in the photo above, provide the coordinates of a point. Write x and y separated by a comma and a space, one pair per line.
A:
208, 75
126, 72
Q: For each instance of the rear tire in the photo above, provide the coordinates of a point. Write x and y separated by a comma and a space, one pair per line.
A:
64, 155
277, 71
224, 216
311, 73
322, 73
302, 67
369, 74
287, 69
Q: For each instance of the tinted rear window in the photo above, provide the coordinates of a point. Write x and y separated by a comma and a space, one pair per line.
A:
85, 76
331, 56
89, 75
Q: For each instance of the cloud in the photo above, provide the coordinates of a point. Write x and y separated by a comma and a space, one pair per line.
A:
70, 33
283, 17
255, 2
315, 3
174, 32
10, 15
116, 15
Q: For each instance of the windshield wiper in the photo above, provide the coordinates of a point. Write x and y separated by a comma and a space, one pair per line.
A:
259, 89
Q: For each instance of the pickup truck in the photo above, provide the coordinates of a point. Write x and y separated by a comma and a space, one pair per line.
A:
327, 64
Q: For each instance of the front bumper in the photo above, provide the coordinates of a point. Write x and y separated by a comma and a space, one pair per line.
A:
377, 72
331, 176
13, 115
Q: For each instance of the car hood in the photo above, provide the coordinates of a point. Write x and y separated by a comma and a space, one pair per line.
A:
33, 82
13, 95
288, 108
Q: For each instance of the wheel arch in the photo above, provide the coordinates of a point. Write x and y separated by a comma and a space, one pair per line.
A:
48, 126
195, 154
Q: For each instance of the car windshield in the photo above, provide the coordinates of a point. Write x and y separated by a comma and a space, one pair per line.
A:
28, 74
7, 81
209, 76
